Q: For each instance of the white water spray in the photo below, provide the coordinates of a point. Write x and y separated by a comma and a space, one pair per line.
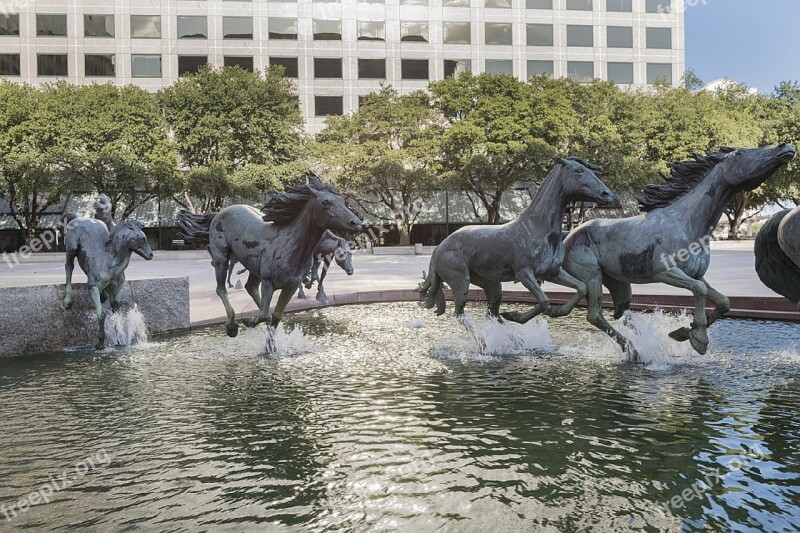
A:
125, 328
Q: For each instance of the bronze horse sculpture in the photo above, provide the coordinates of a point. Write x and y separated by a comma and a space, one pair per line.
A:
777, 251
103, 256
528, 249
330, 248
275, 246
669, 242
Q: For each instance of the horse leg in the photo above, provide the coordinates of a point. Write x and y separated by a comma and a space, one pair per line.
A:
567, 280
101, 318
678, 278
621, 294
252, 289
283, 300
69, 267
221, 271
300, 292
321, 296
267, 290
231, 266
493, 291
722, 305
528, 279
594, 300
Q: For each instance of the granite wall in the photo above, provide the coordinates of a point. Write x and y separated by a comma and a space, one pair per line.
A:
32, 321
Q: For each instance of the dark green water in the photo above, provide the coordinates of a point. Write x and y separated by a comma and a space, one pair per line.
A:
387, 423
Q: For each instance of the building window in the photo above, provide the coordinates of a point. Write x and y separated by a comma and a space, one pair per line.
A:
659, 73
619, 37
619, 6
192, 28
98, 25
455, 3
620, 73
51, 25
243, 62
502, 4
289, 64
539, 4
498, 33
539, 34
454, 67
580, 35
414, 32
327, 30
539, 66
146, 66
659, 38
414, 69
237, 28
658, 6
283, 28
579, 5
371, 30
10, 65
580, 71
9, 24
99, 65
328, 105
456, 33
190, 64
327, 67
500, 66
372, 69
146, 26
52, 65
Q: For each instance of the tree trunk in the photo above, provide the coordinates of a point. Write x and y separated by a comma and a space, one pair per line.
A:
735, 213
405, 233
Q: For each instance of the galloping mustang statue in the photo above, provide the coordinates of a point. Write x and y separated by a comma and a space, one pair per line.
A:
104, 251
669, 243
331, 247
777, 252
275, 246
528, 249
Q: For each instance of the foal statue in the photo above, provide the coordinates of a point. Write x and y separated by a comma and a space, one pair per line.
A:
103, 256
528, 249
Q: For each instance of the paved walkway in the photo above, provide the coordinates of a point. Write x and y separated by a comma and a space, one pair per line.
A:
732, 272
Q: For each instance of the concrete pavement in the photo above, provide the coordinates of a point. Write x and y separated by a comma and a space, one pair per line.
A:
732, 272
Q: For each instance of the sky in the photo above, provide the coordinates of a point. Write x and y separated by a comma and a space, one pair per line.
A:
755, 42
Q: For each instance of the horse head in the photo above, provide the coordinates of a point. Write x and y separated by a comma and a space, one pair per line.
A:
581, 182
129, 235
745, 169
329, 209
344, 257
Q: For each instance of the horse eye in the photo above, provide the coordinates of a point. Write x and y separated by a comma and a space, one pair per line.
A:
326, 202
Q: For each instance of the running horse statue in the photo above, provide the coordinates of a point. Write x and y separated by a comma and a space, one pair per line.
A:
669, 242
276, 246
777, 252
103, 254
330, 248
528, 249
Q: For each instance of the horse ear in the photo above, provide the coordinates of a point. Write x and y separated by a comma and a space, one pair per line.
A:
560, 160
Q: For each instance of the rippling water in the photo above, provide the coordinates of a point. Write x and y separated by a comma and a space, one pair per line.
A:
383, 417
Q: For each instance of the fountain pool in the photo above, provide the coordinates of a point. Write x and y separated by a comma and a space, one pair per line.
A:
384, 417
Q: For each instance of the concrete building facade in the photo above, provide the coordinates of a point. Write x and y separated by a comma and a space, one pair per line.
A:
338, 51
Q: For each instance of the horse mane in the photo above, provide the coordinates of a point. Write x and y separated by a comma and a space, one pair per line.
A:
284, 207
594, 168
684, 177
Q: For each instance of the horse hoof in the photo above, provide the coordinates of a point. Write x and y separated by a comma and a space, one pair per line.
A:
66, 305
633, 354
250, 322
100, 345
513, 317
232, 330
301, 296
681, 334
699, 340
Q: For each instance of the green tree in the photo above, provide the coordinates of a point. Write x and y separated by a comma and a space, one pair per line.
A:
385, 156
30, 150
117, 144
226, 119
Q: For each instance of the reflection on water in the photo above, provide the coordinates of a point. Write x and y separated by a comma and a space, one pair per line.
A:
384, 417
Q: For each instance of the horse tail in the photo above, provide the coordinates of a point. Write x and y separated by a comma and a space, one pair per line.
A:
775, 269
431, 289
195, 228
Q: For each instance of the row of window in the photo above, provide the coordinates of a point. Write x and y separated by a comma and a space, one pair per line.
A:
617, 6
150, 66
196, 27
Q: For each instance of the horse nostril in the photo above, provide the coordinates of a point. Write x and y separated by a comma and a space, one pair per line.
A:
606, 193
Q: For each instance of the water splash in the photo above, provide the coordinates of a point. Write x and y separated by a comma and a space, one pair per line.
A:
491, 338
125, 328
263, 340
649, 333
